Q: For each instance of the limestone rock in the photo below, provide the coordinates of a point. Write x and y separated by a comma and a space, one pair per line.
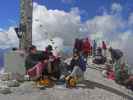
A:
5, 90
13, 83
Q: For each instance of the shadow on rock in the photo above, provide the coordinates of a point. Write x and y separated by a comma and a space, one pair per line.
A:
91, 85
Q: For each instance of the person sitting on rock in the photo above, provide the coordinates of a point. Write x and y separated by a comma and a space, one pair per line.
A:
121, 73
35, 62
78, 66
129, 82
52, 70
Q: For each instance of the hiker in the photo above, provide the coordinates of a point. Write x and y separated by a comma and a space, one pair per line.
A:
48, 50
121, 73
78, 44
116, 55
94, 47
35, 62
77, 66
99, 58
129, 82
86, 48
104, 48
110, 73
52, 70
53, 67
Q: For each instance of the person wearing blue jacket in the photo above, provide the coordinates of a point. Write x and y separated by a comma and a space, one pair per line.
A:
78, 66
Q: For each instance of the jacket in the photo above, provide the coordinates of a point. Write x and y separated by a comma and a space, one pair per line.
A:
116, 54
80, 62
33, 59
86, 47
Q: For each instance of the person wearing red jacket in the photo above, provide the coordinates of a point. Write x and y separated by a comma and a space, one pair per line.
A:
86, 48
78, 45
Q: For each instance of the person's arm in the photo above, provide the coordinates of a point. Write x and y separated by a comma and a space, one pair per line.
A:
72, 63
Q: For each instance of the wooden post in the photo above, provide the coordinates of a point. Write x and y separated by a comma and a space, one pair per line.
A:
26, 9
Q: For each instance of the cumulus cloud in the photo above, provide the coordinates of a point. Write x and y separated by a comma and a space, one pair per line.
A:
116, 8
8, 38
60, 26
56, 23
130, 20
113, 29
104, 24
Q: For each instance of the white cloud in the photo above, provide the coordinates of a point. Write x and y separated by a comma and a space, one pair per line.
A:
56, 23
116, 8
104, 25
8, 38
130, 20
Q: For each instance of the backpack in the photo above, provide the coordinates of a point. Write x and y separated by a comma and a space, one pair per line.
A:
82, 64
118, 54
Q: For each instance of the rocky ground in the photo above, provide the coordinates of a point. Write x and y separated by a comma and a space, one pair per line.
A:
95, 87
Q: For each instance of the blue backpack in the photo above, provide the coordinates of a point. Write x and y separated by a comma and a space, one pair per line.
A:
82, 64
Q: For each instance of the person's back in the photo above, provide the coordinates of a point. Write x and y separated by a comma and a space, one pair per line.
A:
77, 44
86, 45
104, 46
116, 54
33, 58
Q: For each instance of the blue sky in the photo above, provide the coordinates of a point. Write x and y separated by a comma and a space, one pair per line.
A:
89, 8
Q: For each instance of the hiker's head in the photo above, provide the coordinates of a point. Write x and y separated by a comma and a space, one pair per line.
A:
103, 42
49, 48
32, 49
76, 55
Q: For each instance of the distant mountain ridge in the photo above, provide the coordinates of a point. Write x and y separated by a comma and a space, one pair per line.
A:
2, 51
